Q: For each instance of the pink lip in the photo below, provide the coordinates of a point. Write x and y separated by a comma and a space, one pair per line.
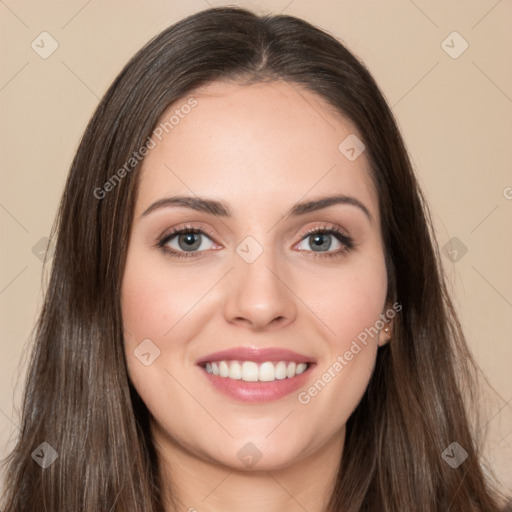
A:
250, 392
258, 355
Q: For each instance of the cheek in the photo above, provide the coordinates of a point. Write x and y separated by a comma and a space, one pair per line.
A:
161, 304
349, 305
151, 308
155, 297
350, 300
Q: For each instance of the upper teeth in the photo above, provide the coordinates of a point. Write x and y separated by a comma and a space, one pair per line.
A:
252, 372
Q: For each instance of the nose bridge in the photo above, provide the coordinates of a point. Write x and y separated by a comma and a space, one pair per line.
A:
257, 292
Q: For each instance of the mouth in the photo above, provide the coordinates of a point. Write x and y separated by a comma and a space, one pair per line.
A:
249, 374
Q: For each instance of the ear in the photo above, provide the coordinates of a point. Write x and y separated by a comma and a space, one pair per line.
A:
385, 333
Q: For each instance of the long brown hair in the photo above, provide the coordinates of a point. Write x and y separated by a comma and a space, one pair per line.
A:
78, 397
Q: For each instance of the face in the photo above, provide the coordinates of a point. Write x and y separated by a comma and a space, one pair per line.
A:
252, 308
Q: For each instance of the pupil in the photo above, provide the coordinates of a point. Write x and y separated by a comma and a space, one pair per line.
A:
189, 241
321, 241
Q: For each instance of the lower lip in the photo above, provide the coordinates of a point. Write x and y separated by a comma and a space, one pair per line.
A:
251, 392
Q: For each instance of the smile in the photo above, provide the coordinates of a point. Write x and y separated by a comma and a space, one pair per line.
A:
254, 374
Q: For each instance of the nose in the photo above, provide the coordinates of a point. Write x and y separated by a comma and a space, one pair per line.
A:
259, 295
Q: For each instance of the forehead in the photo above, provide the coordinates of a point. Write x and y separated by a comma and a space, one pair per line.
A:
265, 143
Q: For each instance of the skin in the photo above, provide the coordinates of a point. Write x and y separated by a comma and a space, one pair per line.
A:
259, 148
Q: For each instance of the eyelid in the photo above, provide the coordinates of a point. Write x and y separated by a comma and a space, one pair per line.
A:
324, 226
187, 228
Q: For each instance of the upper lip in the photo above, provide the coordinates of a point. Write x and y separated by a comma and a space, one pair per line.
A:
257, 355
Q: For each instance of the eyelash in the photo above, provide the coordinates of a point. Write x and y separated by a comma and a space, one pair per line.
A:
336, 231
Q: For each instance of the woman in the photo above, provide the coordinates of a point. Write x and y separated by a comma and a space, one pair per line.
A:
246, 309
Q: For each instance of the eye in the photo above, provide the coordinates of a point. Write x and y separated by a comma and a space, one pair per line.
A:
185, 242
188, 241
326, 241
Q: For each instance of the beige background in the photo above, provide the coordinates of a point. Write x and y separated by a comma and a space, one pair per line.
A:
455, 115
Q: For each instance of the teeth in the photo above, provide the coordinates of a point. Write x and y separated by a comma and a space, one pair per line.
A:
250, 371
267, 372
223, 369
301, 368
235, 370
281, 370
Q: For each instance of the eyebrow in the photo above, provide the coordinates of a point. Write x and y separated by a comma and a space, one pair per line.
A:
221, 209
